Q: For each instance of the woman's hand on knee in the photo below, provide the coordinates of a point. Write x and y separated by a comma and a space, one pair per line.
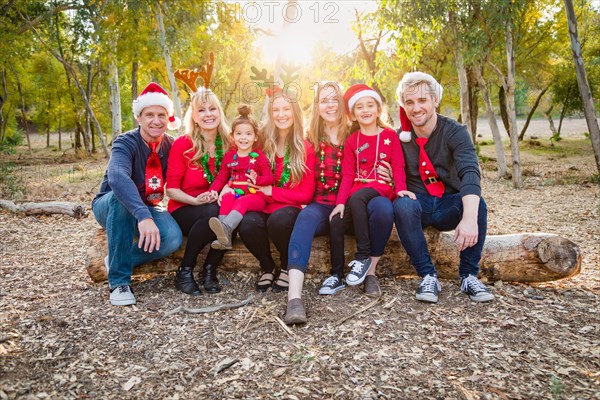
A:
339, 209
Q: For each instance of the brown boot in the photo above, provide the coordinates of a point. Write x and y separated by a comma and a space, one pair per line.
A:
372, 288
296, 314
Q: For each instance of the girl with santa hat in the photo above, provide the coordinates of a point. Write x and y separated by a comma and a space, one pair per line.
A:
371, 142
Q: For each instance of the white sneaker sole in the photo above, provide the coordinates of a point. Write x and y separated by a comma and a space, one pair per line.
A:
331, 291
125, 302
427, 298
482, 298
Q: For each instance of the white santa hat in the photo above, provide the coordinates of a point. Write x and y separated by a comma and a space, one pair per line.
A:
405, 125
357, 92
154, 95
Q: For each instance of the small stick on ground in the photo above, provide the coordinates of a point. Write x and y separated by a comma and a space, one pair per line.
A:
210, 309
284, 326
365, 308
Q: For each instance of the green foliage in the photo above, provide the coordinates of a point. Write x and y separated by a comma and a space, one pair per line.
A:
12, 186
557, 387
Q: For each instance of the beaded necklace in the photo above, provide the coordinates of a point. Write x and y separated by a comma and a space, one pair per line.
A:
338, 166
208, 175
365, 178
286, 172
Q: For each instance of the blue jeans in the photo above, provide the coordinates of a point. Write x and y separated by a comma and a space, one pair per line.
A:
314, 221
444, 214
122, 233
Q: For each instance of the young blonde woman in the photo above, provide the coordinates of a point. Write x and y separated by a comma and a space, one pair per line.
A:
292, 159
194, 163
328, 132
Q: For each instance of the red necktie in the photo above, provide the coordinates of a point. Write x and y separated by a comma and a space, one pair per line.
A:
154, 177
430, 178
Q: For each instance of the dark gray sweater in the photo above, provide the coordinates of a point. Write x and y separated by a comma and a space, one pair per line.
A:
453, 155
126, 171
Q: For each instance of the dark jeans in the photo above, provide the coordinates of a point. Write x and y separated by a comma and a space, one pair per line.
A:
258, 229
444, 214
193, 221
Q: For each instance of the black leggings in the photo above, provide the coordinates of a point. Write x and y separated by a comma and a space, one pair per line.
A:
193, 221
356, 209
257, 228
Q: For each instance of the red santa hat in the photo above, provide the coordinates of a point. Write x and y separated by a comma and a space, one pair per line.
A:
154, 95
405, 125
357, 92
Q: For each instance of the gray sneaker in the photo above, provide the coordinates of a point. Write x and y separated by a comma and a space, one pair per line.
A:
359, 270
121, 296
476, 290
429, 289
332, 285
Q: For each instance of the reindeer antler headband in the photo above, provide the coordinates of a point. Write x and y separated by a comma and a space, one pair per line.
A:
189, 76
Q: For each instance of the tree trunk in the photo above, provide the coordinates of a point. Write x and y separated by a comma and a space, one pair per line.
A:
503, 108
473, 106
134, 86
60, 132
48, 123
517, 177
535, 106
169, 64
463, 80
20, 89
561, 118
87, 132
115, 100
525, 257
548, 114
3, 100
582, 81
502, 169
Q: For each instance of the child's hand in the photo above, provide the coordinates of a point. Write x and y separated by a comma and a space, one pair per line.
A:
252, 176
267, 190
408, 193
339, 209
226, 189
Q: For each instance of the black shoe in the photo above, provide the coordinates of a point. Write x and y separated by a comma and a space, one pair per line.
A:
282, 283
184, 281
211, 282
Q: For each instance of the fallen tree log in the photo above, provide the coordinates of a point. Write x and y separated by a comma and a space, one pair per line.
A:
522, 257
49, 207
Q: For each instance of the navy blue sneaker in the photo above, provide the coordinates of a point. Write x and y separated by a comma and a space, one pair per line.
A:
429, 289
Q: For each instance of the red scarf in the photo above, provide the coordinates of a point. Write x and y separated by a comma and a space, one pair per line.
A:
430, 178
154, 177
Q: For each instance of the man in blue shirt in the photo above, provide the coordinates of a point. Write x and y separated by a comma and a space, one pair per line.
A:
442, 169
138, 228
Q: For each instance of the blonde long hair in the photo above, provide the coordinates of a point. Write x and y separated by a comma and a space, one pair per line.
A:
199, 145
316, 126
295, 139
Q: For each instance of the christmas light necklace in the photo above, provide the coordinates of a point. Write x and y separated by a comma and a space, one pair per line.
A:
338, 166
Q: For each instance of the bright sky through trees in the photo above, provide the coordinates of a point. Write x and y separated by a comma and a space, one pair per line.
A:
292, 30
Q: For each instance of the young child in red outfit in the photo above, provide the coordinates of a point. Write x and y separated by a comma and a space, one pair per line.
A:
245, 164
372, 141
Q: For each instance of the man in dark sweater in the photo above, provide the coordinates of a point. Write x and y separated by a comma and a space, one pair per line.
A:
138, 228
442, 169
